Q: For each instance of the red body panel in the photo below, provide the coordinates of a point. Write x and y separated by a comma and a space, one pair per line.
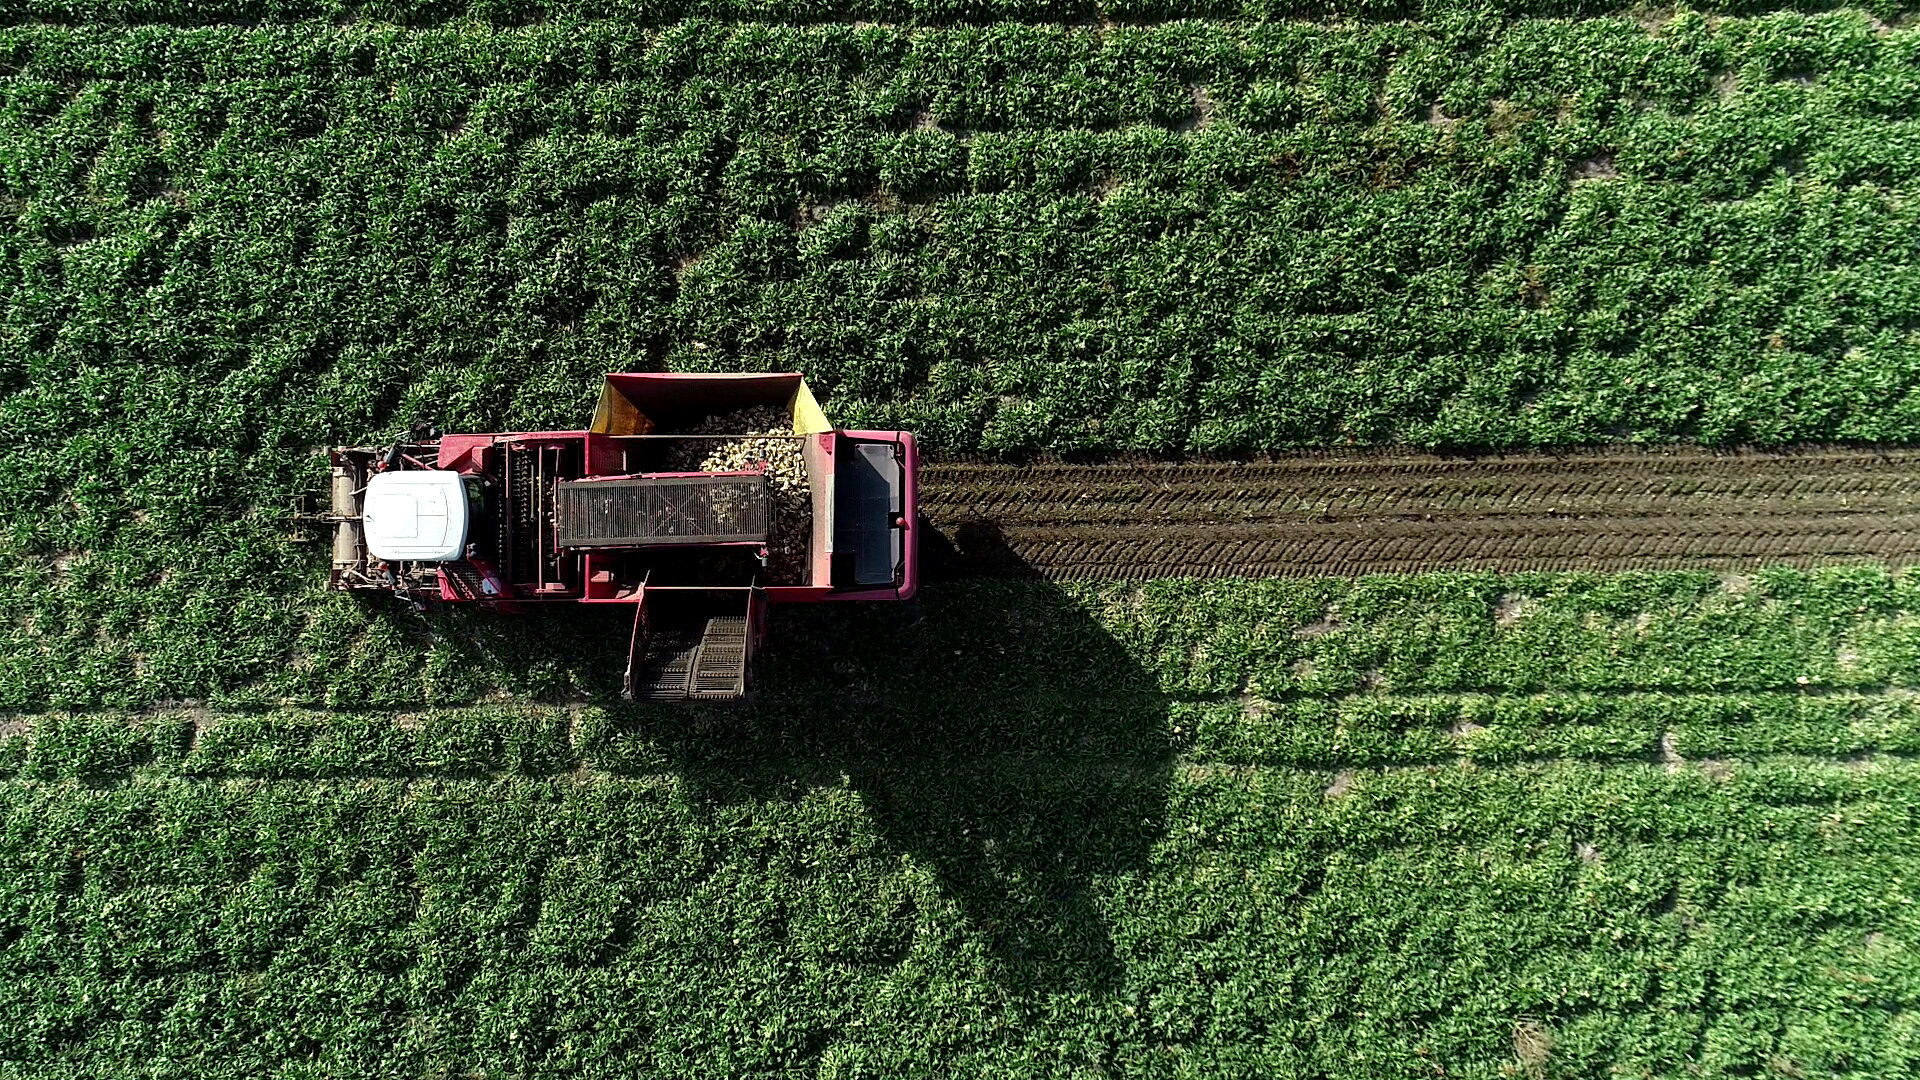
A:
466, 453
461, 452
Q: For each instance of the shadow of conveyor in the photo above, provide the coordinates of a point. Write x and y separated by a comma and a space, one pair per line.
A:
996, 731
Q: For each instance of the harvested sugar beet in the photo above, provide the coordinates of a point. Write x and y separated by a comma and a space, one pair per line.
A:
760, 447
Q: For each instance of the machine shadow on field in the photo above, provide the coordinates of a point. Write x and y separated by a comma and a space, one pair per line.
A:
997, 733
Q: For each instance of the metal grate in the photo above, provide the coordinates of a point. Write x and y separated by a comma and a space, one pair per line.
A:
714, 509
466, 580
711, 667
720, 668
663, 672
520, 525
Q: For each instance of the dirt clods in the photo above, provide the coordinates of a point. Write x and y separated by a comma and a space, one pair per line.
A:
1598, 167
1670, 750
1510, 608
1352, 513
1532, 1046
1325, 624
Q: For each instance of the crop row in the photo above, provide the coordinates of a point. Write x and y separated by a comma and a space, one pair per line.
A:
1238, 922
93, 634
422, 13
1359, 732
1060, 71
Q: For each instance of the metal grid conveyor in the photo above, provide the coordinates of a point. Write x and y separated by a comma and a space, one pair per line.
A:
720, 508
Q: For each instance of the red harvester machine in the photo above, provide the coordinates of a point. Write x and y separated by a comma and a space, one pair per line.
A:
611, 515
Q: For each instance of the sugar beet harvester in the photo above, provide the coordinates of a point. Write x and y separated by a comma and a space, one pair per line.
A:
699, 529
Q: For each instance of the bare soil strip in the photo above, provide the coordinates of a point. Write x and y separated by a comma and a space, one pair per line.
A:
1345, 514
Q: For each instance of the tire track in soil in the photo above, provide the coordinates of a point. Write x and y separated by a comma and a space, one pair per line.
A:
1131, 518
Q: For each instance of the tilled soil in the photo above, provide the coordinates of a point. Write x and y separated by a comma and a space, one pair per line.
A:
1364, 513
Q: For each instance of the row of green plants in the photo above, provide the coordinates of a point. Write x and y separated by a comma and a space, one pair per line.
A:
84, 637
521, 13
1364, 731
1543, 233
1059, 70
1565, 919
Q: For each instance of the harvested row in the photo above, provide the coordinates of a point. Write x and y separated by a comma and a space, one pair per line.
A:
1402, 513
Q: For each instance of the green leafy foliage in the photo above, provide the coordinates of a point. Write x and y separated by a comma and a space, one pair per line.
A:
1643, 917
1554, 824
229, 246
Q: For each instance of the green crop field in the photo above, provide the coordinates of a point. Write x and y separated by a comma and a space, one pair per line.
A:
1447, 825
1549, 824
